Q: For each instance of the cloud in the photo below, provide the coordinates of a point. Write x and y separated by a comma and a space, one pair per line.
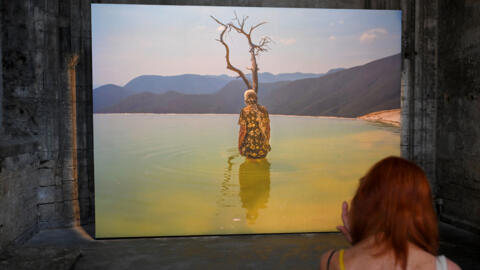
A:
332, 38
288, 41
372, 34
220, 28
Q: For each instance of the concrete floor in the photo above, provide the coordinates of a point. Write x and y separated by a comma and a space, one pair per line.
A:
75, 249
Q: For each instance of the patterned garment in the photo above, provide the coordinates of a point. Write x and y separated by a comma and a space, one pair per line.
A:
255, 119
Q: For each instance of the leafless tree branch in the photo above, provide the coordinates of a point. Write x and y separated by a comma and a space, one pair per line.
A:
227, 54
238, 25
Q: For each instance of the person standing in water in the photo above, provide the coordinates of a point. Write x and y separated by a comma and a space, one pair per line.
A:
254, 134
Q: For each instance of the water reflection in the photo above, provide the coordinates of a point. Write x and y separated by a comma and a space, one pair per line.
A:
254, 179
227, 188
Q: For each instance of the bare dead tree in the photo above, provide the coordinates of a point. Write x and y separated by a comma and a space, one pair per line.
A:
238, 25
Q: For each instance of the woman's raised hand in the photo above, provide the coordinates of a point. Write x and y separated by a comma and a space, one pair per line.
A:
345, 228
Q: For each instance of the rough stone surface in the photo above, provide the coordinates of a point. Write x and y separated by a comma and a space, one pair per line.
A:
37, 151
349, 4
458, 115
40, 258
418, 88
18, 197
62, 247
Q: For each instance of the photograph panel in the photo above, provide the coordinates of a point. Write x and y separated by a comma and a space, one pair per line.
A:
238, 120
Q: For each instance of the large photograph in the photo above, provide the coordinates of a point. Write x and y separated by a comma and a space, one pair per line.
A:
235, 120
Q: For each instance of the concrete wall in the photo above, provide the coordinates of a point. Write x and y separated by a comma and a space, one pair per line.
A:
46, 138
458, 113
418, 84
44, 169
349, 4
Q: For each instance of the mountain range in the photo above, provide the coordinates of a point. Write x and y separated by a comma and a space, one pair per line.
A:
343, 92
109, 94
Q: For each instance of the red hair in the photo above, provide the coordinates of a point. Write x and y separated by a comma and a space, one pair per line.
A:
394, 203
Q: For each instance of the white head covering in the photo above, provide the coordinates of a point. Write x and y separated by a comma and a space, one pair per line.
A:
249, 94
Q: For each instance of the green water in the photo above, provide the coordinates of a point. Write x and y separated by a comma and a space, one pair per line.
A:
161, 174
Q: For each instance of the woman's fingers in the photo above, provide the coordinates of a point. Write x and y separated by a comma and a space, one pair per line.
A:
345, 229
345, 232
346, 221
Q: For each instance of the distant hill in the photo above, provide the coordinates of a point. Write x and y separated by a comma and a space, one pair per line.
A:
107, 95
110, 94
347, 92
352, 92
333, 70
266, 77
185, 84
201, 84
228, 100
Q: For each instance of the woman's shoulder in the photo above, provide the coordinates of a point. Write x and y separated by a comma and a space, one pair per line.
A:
328, 255
451, 265
262, 108
419, 259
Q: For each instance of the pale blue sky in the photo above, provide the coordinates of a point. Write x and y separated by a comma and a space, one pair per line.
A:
133, 40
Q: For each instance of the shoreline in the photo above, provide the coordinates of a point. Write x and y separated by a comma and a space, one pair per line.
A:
207, 114
389, 117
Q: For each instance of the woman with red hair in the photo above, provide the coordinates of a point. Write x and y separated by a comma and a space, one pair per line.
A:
391, 223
